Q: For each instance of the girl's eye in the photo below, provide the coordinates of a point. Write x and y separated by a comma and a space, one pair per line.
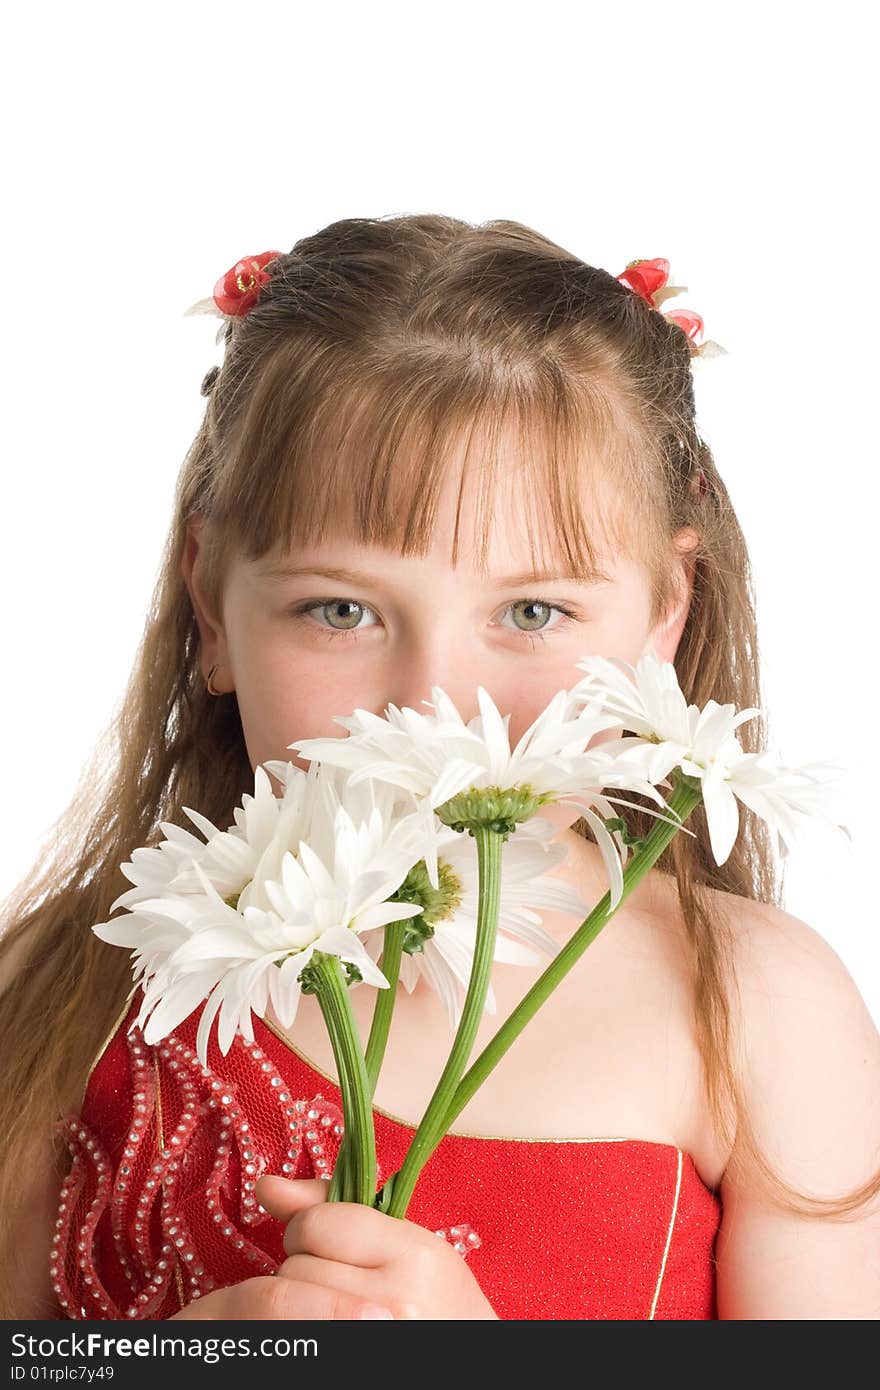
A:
349, 619
349, 624
542, 608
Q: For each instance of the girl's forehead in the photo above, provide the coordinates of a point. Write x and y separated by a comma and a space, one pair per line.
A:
500, 547
507, 566
482, 511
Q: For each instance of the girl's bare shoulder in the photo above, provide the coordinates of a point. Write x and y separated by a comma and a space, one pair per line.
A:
788, 988
770, 950
781, 962
808, 1054
805, 1045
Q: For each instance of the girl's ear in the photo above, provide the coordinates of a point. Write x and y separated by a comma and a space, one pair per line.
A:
213, 637
666, 635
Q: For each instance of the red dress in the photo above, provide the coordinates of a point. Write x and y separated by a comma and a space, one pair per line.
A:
158, 1206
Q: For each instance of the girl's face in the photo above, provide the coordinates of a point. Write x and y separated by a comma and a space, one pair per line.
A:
344, 625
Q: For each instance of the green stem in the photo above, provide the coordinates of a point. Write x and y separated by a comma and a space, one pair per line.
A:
392, 950
340, 1183
685, 796
433, 1125
360, 1174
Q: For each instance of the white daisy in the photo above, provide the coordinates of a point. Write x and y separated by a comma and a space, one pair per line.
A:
668, 733
192, 945
440, 758
228, 857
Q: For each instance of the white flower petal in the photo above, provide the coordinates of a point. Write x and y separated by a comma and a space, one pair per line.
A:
286, 995
383, 913
442, 981
184, 995
609, 856
722, 816
203, 1032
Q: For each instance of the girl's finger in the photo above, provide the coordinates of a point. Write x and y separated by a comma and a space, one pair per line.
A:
351, 1234
349, 1280
283, 1300
332, 1274
284, 1197
315, 1301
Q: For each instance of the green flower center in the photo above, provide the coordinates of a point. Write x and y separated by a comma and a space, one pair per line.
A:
437, 903
497, 808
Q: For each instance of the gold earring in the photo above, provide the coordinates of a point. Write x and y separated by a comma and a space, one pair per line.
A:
209, 683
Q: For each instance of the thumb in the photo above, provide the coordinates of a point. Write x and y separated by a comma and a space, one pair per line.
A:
284, 1197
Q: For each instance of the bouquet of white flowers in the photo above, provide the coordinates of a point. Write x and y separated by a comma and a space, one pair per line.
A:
416, 841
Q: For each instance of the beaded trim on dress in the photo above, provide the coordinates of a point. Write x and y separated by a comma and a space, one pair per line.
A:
150, 1171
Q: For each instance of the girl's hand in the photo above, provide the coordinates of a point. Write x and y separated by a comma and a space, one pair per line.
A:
346, 1261
343, 1248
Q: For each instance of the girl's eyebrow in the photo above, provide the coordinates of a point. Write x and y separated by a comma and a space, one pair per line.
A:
350, 576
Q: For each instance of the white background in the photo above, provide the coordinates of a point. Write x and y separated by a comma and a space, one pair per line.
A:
147, 152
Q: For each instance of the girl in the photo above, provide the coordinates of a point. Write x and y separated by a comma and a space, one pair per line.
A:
441, 454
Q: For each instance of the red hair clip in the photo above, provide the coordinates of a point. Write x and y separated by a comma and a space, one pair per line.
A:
650, 280
236, 292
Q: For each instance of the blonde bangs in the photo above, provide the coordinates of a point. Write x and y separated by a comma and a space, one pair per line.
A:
365, 455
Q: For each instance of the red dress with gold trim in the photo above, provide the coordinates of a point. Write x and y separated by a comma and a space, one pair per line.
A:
158, 1206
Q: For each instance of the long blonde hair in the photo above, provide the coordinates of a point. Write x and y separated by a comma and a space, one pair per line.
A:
377, 346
